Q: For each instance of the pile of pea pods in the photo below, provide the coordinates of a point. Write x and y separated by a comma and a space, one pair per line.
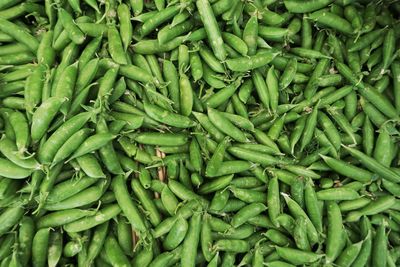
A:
200, 133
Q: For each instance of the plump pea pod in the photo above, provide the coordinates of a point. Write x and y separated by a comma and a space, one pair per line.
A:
191, 241
374, 207
55, 248
379, 251
46, 53
349, 254
212, 29
39, 247
297, 211
91, 194
244, 64
89, 222
10, 170
9, 149
126, 204
166, 117
146, 201
176, 235
247, 212
97, 241
296, 6
231, 245
335, 232
373, 165
21, 129
74, 33
66, 130
19, 34
59, 218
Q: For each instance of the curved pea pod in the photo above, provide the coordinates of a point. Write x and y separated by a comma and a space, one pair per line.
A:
332, 20
97, 241
348, 170
296, 6
59, 218
354, 204
74, 33
150, 47
114, 252
19, 34
55, 248
10, 217
219, 200
25, 238
40, 247
146, 201
244, 64
248, 195
373, 165
256, 157
374, 207
365, 40
20, 126
250, 33
128, 207
196, 66
176, 235
143, 257
71, 145
169, 200
246, 213
225, 126
92, 143
349, 254
298, 257
10, 170
101, 216
223, 95
133, 121
297, 212
170, 31
217, 158
58, 138
195, 155
300, 235
216, 184
235, 42
167, 117
90, 166
65, 189
125, 236
66, 85
209, 58
43, 116
10, 151
82, 198
171, 77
